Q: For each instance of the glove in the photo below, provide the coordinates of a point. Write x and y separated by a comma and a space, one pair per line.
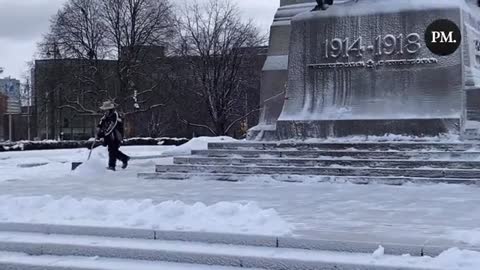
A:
100, 135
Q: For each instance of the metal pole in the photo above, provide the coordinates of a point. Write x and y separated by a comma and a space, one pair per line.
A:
10, 133
29, 101
46, 116
28, 122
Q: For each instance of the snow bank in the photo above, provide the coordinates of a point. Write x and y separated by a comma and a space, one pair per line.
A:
455, 258
471, 237
200, 143
223, 217
379, 252
452, 259
95, 166
51, 144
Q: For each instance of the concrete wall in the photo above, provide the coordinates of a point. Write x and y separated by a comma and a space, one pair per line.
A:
275, 70
473, 105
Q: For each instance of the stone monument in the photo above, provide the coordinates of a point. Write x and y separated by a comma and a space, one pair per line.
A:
363, 67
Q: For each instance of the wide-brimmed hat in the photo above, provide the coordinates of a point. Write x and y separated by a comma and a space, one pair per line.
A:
107, 105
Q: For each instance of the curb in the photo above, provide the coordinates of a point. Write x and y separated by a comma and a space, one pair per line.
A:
324, 243
206, 259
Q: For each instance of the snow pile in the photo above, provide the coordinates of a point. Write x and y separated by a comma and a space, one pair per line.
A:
93, 167
18, 146
379, 252
223, 217
452, 259
457, 259
471, 237
200, 143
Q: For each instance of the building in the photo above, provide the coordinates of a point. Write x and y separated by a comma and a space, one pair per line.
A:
54, 82
10, 88
57, 92
3, 116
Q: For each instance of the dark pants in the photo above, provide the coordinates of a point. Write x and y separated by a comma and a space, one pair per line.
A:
114, 153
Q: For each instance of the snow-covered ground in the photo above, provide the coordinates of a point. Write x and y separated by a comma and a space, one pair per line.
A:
53, 168
92, 196
57, 163
426, 211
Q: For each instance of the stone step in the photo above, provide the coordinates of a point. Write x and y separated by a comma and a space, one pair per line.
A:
360, 154
324, 171
372, 146
335, 241
21, 261
182, 252
361, 180
303, 162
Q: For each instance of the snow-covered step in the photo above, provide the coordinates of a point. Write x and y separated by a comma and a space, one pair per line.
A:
371, 146
325, 171
197, 253
225, 177
21, 261
335, 241
152, 234
358, 154
304, 162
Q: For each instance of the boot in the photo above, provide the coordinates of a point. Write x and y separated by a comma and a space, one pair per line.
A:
111, 169
125, 163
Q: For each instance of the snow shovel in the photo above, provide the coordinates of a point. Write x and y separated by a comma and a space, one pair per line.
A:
75, 165
91, 149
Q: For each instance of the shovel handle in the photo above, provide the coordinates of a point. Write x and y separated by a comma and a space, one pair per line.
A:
91, 149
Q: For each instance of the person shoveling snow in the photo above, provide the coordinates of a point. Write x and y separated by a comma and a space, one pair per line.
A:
110, 129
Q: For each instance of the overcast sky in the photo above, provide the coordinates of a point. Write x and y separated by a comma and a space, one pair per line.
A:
22, 23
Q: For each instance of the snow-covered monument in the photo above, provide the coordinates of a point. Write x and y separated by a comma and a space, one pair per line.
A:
362, 67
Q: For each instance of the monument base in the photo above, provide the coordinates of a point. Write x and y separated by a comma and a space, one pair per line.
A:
344, 128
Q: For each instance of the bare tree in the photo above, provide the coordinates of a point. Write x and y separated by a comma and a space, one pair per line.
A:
77, 31
132, 24
219, 46
133, 28
26, 98
119, 31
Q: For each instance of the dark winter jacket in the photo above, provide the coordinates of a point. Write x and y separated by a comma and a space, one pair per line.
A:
110, 128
